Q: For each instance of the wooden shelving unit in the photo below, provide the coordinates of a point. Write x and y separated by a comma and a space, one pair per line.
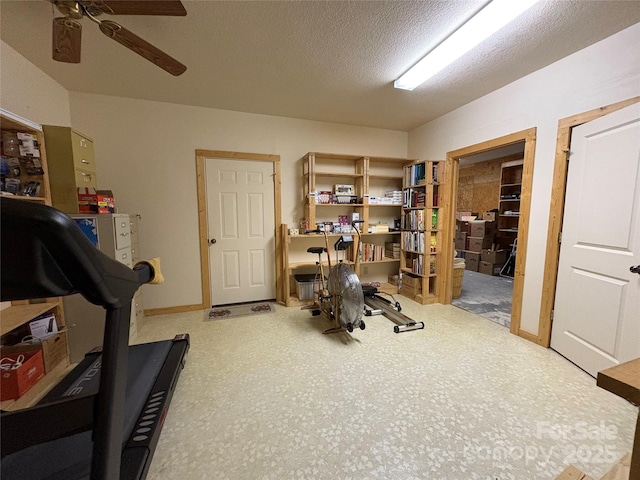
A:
509, 203
372, 178
21, 312
422, 225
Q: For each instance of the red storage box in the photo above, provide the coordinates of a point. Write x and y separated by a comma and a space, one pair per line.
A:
15, 383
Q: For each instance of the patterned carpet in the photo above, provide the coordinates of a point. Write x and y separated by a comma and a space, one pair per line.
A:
462, 399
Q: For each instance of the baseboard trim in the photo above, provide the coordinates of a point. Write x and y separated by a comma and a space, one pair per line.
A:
150, 312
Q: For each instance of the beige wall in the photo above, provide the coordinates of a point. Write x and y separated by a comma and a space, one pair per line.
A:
605, 73
27, 91
145, 153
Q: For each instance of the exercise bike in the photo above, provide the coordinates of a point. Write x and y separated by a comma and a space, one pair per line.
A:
340, 297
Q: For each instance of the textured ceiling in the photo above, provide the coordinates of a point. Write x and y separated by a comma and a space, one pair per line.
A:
332, 61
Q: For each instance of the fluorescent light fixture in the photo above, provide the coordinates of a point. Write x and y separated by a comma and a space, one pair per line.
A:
485, 23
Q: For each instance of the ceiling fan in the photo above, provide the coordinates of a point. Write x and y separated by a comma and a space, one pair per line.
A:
67, 30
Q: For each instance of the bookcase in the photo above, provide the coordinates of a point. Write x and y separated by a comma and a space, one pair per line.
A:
28, 167
421, 262
376, 197
509, 202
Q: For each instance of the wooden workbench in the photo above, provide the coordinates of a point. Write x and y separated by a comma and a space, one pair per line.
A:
624, 381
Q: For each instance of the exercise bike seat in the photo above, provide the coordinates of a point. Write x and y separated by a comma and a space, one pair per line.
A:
317, 250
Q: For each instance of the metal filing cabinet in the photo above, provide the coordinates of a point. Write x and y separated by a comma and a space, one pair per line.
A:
71, 160
111, 234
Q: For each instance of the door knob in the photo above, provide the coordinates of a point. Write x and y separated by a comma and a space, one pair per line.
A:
635, 269
212, 241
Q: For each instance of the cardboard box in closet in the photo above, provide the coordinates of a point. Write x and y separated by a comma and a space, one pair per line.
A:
481, 228
472, 261
489, 268
494, 256
476, 244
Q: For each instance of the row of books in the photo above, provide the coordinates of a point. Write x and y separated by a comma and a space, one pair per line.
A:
414, 220
413, 241
370, 252
392, 250
416, 174
414, 199
417, 265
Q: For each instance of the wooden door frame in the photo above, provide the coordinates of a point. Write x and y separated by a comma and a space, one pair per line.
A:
556, 212
201, 183
527, 136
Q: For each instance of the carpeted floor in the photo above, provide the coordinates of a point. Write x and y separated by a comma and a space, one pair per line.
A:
487, 296
271, 397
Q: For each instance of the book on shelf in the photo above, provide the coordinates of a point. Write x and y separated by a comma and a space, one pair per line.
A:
392, 250
414, 174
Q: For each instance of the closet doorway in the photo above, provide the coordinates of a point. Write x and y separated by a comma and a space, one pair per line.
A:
493, 179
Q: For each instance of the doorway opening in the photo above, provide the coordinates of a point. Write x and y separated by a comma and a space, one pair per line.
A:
489, 189
493, 180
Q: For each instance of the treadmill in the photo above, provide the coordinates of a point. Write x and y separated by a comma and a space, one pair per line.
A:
104, 419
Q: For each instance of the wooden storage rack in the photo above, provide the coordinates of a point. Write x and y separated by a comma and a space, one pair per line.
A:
21, 312
422, 225
370, 176
509, 202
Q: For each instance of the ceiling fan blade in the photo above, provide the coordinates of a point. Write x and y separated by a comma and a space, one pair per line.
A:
66, 40
141, 47
141, 7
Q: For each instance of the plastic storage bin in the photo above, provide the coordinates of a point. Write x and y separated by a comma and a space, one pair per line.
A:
306, 285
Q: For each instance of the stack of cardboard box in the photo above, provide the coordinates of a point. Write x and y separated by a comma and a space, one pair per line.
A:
472, 237
492, 261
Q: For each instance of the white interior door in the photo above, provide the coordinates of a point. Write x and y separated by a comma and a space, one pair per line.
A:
241, 222
597, 310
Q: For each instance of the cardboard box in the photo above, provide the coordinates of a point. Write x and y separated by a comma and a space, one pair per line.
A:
465, 216
409, 280
472, 261
411, 290
91, 200
16, 382
476, 244
489, 268
461, 241
463, 227
482, 228
489, 216
53, 350
494, 256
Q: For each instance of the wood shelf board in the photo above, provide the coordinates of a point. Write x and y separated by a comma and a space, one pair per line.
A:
422, 275
509, 199
40, 389
510, 185
337, 175
11, 121
294, 301
384, 260
338, 204
388, 289
385, 177
397, 232
395, 205
17, 315
623, 380
333, 156
26, 198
